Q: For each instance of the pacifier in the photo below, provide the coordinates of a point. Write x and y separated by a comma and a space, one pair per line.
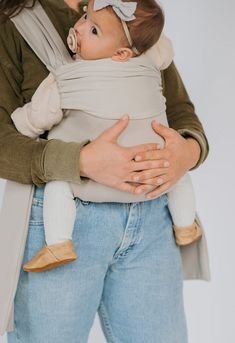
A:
72, 40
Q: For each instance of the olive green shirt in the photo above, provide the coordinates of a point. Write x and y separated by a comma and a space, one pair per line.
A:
25, 160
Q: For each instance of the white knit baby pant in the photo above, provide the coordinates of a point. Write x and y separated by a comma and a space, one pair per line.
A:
59, 209
59, 212
182, 203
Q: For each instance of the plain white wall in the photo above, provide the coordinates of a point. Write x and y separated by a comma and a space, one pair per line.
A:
203, 36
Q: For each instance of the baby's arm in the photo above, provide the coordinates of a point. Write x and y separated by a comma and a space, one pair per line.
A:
42, 113
161, 53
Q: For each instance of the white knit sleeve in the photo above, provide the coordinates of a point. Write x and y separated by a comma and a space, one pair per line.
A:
42, 113
162, 52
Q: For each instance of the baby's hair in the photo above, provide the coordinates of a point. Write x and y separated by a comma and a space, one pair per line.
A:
146, 29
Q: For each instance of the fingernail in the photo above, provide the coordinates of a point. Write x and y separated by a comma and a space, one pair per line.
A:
166, 164
159, 181
138, 158
136, 178
125, 117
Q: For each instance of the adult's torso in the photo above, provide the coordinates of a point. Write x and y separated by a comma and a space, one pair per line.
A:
100, 92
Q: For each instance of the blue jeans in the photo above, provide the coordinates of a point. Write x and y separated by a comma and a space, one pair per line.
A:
128, 269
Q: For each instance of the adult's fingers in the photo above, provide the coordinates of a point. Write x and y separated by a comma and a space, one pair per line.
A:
164, 131
145, 165
112, 133
142, 148
156, 181
158, 191
144, 189
151, 155
148, 174
127, 187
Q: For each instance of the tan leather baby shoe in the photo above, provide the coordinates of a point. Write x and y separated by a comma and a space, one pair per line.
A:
51, 256
187, 235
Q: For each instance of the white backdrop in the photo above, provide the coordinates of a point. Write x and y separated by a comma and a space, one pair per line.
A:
203, 36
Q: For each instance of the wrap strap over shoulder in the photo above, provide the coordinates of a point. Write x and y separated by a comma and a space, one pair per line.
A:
93, 86
41, 35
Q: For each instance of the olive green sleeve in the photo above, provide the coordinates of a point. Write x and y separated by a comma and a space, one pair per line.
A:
180, 110
23, 159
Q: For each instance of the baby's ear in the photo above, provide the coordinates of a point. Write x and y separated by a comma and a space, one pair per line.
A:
122, 55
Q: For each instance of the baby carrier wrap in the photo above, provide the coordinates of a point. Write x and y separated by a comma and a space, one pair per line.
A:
97, 93
18, 197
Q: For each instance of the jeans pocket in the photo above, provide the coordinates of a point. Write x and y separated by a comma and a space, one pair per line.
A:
36, 214
36, 235
165, 199
80, 202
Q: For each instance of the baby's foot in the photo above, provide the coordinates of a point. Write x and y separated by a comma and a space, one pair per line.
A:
187, 235
51, 256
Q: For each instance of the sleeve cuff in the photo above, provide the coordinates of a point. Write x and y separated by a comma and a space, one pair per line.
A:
202, 141
61, 161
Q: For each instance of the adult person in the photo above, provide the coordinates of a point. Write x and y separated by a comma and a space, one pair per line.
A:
102, 160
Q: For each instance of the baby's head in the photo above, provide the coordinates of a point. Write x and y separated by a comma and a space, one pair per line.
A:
116, 29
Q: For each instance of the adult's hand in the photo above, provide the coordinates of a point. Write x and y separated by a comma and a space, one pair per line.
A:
106, 162
179, 154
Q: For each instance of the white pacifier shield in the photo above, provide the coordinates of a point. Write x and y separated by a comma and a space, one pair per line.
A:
72, 40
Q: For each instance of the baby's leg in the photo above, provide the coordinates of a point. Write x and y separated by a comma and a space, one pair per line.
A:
182, 206
59, 213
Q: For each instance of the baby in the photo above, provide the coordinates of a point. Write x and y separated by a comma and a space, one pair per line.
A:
112, 38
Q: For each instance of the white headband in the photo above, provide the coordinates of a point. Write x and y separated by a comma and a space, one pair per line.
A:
124, 10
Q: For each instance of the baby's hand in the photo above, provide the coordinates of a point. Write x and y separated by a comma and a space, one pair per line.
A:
45, 106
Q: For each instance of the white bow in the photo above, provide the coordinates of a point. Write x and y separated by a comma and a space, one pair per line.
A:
124, 10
